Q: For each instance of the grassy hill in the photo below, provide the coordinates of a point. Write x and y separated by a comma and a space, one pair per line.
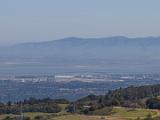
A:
118, 113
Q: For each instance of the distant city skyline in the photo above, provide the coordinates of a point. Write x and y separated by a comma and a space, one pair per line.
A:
45, 20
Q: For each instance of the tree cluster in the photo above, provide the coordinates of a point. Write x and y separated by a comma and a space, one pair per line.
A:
31, 105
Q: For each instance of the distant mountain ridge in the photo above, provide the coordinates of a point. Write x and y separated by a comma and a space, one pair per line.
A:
82, 51
116, 40
105, 48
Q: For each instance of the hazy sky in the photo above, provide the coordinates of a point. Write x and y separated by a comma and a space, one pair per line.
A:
43, 20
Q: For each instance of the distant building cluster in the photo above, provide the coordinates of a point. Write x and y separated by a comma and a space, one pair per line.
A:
82, 77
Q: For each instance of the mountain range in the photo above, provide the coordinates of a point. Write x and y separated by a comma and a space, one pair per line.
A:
86, 51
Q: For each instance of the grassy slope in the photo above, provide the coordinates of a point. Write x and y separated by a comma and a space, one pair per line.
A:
128, 113
34, 114
77, 117
118, 113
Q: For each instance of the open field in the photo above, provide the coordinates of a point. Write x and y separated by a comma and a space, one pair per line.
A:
129, 113
77, 117
118, 113
33, 115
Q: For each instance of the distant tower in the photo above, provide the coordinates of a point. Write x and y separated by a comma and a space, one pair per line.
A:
21, 112
74, 108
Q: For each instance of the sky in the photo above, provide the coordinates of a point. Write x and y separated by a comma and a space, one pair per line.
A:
44, 20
